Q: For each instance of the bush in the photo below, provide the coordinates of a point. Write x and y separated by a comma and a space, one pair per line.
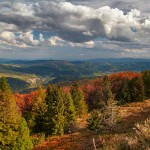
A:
38, 138
94, 121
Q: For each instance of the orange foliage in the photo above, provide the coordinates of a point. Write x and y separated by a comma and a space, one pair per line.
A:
117, 79
89, 88
25, 101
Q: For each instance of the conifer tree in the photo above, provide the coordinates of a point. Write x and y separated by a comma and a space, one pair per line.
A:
75, 94
136, 89
54, 117
69, 110
81, 107
124, 95
106, 93
11, 128
146, 81
38, 111
97, 99
23, 141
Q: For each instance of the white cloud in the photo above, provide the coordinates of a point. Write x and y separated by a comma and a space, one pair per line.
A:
41, 38
55, 40
8, 37
89, 44
20, 40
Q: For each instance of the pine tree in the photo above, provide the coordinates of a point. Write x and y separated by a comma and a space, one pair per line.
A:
75, 94
136, 89
124, 95
69, 111
23, 141
146, 81
38, 111
95, 121
97, 99
81, 107
54, 117
106, 93
10, 121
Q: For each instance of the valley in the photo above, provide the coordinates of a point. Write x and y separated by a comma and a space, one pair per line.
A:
31, 74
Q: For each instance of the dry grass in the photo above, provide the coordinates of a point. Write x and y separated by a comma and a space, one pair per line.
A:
131, 114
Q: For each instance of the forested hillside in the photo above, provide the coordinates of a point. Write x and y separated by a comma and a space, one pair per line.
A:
57, 110
43, 72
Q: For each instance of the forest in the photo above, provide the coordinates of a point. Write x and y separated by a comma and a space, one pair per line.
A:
27, 119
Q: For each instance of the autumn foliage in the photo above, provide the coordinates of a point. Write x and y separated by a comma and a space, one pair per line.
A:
90, 88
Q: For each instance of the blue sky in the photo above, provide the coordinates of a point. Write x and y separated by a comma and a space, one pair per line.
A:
74, 29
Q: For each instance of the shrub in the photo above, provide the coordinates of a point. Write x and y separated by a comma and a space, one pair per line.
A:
94, 121
38, 138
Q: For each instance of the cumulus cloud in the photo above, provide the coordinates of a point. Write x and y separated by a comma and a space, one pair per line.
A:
55, 40
8, 37
19, 40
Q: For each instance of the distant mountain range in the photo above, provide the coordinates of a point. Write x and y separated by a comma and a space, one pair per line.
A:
35, 72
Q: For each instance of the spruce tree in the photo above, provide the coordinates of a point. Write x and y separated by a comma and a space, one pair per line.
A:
81, 107
136, 89
23, 141
146, 81
75, 94
54, 117
97, 99
69, 111
38, 111
106, 90
11, 121
124, 95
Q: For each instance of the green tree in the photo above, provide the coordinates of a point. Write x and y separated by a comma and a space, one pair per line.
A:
11, 121
136, 90
81, 107
95, 121
106, 90
54, 117
124, 95
69, 110
38, 111
146, 81
23, 141
96, 99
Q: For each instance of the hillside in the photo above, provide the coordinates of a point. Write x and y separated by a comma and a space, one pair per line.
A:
131, 114
54, 71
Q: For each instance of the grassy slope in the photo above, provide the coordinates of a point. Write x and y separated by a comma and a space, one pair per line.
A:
82, 139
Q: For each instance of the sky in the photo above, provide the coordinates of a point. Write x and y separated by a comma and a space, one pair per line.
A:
74, 29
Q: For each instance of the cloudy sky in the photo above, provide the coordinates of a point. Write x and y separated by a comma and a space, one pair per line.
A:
74, 29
